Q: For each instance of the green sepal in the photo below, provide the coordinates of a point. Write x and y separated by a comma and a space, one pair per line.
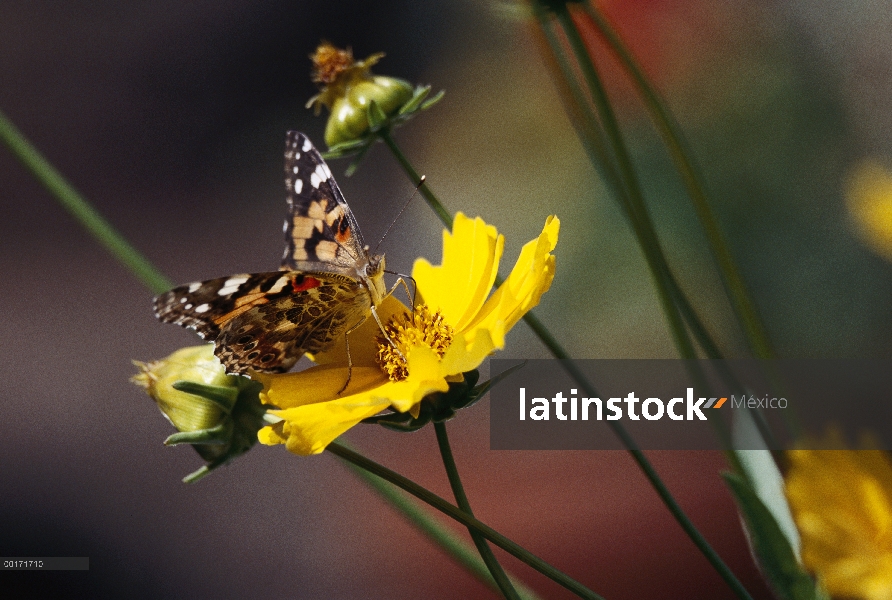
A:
239, 430
354, 164
771, 547
433, 100
481, 390
345, 148
376, 116
415, 101
213, 435
224, 397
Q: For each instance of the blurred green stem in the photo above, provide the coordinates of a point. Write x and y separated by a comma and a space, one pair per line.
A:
589, 132
569, 365
463, 518
647, 238
156, 282
81, 210
741, 302
458, 490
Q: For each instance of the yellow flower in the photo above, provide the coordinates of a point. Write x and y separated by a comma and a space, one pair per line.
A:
869, 198
455, 326
842, 503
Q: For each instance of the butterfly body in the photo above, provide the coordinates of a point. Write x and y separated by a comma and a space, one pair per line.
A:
328, 283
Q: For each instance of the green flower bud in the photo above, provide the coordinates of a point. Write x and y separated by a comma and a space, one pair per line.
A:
349, 88
187, 412
218, 414
349, 113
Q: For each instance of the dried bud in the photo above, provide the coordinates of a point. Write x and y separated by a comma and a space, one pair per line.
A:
349, 88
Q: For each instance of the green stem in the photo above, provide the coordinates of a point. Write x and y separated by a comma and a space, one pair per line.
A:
465, 519
644, 464
458, 490
425, 191
741, 302
591, 137
447, 540
81, 210
646, 237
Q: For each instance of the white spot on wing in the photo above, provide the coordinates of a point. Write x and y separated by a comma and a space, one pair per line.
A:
285, 227
315, 180
298, 185
235, 281
295, 169
202, 308
193, 287
326, 170
307, 145
188, 306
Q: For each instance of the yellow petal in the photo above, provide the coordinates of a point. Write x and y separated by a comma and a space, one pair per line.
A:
842, 504
529, 279
316, 384
461, 284
309, 429
272, 435
869, 198
425, 377
466, 354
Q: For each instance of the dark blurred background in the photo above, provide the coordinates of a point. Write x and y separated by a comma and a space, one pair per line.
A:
170, 117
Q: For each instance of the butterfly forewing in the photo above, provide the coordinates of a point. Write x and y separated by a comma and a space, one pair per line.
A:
321, 233
327, 284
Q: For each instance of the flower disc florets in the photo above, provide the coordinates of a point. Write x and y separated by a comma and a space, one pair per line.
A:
405, 331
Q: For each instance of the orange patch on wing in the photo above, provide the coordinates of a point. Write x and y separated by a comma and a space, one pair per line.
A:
304, 283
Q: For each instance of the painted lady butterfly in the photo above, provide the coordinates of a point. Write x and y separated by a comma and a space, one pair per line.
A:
328, 283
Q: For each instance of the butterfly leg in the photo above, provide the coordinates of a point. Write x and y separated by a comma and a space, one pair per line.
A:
384, 332
350, 358
409, 295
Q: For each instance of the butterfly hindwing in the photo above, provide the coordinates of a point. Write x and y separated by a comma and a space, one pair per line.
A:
266, 321
321, 233
272, 336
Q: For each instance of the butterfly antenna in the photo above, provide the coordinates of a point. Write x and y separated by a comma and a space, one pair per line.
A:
402, 210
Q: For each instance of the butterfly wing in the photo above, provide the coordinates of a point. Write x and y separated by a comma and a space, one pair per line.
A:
267, 321
321, 233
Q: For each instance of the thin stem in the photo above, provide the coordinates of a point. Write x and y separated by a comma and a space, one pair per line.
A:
425, 191
80, 209
646, 238
589, 132
644, 464
458, 490
741, 302
447, 540
465, 519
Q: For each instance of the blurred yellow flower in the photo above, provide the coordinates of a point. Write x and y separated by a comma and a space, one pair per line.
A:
869, 199
454, 327
842, 504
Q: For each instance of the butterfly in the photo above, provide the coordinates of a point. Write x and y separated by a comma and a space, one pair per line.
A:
328, 284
